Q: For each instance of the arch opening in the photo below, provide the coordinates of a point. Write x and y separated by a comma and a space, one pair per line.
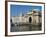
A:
30, 19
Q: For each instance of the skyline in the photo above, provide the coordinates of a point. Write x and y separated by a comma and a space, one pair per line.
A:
16, 10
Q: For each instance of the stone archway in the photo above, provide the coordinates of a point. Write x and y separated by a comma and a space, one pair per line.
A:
30, 19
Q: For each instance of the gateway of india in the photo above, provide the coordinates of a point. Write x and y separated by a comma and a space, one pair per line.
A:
33, 17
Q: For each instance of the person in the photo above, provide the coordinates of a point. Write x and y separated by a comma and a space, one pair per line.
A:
11, 23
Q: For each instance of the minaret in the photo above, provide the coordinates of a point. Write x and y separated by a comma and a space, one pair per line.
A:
20, 14
20, 17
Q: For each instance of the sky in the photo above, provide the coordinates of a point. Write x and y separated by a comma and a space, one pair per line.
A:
16, 10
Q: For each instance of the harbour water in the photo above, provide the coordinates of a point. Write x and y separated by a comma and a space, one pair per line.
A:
25, 27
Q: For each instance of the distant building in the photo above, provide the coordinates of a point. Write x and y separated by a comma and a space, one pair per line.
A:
33, 17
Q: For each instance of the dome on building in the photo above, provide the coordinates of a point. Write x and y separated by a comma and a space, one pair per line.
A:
29, 12
37, 10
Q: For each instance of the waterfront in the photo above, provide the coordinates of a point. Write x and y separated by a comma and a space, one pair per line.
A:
25, 27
